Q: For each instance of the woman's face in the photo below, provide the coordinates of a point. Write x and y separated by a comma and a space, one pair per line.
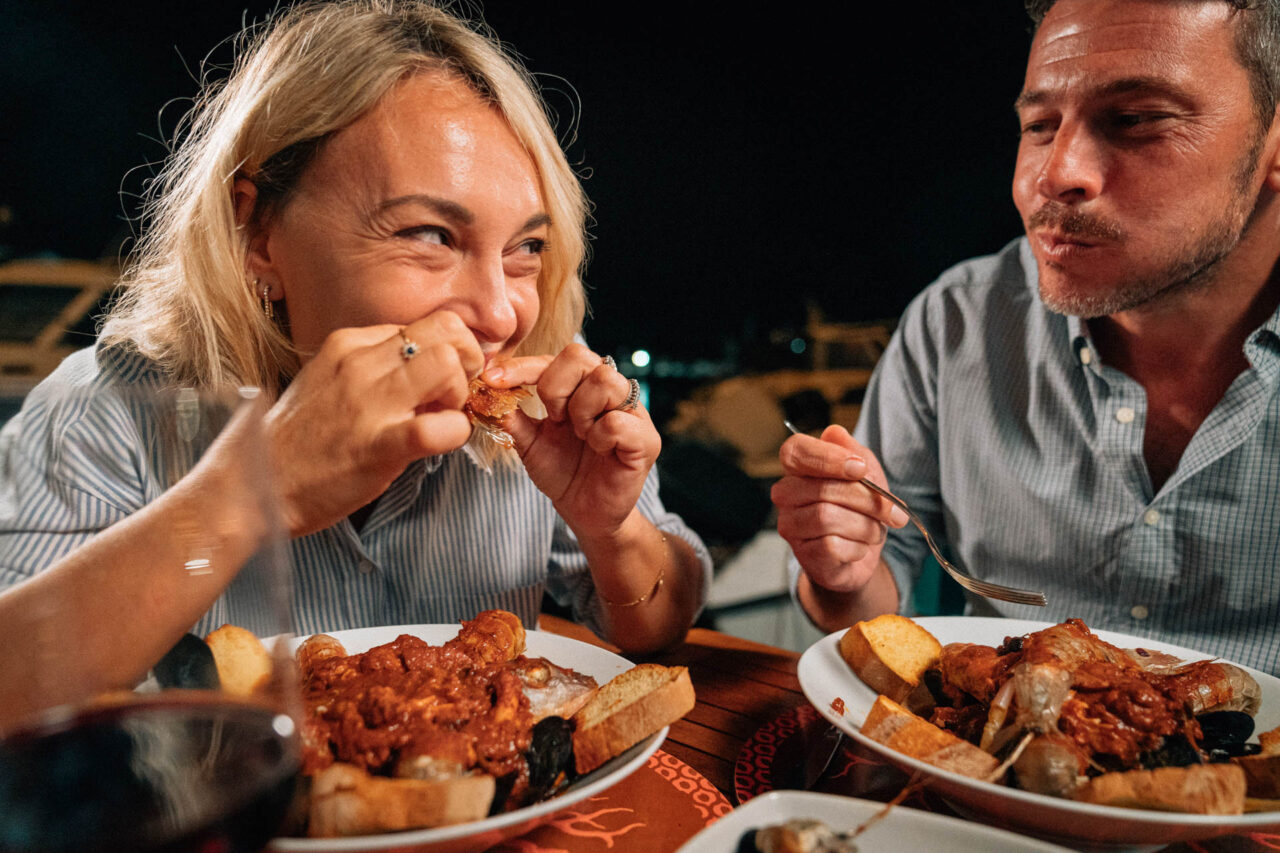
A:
428, 202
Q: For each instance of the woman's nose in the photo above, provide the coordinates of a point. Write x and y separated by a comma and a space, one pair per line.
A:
488, 302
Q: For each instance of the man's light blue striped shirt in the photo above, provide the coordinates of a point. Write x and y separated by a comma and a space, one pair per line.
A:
997, 422
446, 540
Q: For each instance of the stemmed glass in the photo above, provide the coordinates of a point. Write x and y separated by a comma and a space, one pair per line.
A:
202, 754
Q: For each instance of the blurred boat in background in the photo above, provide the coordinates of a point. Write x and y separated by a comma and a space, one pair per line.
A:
49, 308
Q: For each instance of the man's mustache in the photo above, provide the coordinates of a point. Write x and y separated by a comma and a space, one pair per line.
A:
1073, 223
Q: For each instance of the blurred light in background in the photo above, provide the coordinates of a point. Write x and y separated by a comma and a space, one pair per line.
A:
797, 345
640, 358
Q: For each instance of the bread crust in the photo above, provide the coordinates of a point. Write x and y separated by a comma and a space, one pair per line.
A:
345, 800
890, 654
1270, 741
243, 663
1195, 789
629, 708
897, 728
1261, 775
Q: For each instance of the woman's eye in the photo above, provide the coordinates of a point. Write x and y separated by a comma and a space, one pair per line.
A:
536, 246
426, 234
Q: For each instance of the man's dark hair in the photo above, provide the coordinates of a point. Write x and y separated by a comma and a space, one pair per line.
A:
1257, 46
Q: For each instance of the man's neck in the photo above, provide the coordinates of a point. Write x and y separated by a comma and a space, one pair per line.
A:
1187, 348
1201, 328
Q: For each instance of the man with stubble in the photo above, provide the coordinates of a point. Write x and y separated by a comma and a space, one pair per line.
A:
1093, 411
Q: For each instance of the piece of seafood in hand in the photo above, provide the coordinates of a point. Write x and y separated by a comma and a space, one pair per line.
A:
487, 407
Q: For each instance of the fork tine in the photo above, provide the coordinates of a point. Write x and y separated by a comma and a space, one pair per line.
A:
983, 588
991, 590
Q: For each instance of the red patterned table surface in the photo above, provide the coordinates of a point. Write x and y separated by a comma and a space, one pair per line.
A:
657, 808
773, 758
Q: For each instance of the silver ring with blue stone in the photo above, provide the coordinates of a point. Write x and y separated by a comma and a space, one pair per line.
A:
408, 348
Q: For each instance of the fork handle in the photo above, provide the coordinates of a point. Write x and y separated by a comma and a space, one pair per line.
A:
883, 492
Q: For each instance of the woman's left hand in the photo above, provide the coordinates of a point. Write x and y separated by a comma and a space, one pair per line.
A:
589, 455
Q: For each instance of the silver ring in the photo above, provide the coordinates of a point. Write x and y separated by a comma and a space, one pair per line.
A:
608, 360
633, 397
408, 347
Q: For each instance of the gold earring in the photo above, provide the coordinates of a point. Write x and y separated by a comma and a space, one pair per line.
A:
267, 308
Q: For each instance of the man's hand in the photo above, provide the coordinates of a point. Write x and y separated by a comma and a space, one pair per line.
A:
834, 524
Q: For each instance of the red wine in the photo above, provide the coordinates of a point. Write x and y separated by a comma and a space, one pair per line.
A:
161, 775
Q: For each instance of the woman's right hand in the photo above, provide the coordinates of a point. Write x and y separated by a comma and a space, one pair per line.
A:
834, 524
359, 412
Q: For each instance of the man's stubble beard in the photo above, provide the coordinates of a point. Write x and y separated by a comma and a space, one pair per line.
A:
1188, 270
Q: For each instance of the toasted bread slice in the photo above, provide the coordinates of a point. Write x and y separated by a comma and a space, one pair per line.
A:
1270, 741
1261, 775
346, 800
628, 709
243, 663
897, 728
890, 653
1196, 789
1255, 804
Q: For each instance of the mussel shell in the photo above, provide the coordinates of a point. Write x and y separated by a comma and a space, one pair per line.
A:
550, 753
1223, 728
189, 664
932, 680
1228, 751
1174, 752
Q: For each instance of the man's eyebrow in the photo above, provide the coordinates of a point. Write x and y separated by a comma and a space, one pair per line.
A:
1121, 86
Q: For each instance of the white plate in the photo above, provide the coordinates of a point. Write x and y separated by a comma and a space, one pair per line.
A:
591, 660
901, 829
825, 677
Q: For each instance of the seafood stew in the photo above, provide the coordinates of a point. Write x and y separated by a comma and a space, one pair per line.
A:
839, 696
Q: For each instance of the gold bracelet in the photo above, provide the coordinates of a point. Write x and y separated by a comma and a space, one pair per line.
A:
662, 574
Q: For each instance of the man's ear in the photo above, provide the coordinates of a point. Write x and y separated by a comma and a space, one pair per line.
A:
1271, 164
258, 258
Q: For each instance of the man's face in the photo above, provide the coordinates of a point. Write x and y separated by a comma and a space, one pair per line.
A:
1136, 170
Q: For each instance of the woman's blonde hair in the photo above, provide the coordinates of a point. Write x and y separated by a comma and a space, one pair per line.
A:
311, 71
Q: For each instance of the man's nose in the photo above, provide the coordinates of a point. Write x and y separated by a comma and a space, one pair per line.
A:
1072, 169
488, 301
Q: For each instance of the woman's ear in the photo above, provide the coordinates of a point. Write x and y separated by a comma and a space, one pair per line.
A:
258, 258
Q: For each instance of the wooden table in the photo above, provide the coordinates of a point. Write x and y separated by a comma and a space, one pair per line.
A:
742, 686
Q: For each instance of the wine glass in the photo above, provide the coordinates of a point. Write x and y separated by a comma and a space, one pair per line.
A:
202, 753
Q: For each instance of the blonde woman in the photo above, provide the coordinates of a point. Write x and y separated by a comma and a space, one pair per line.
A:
372, 211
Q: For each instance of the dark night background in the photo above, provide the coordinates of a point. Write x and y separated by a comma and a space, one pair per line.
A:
740, 162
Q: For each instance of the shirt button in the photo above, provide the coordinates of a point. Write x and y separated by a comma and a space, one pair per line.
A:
1138, 611
366, 566
1124, 415
1151, 517
1086, 355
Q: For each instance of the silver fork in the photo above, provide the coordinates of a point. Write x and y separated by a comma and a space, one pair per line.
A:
983, 588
